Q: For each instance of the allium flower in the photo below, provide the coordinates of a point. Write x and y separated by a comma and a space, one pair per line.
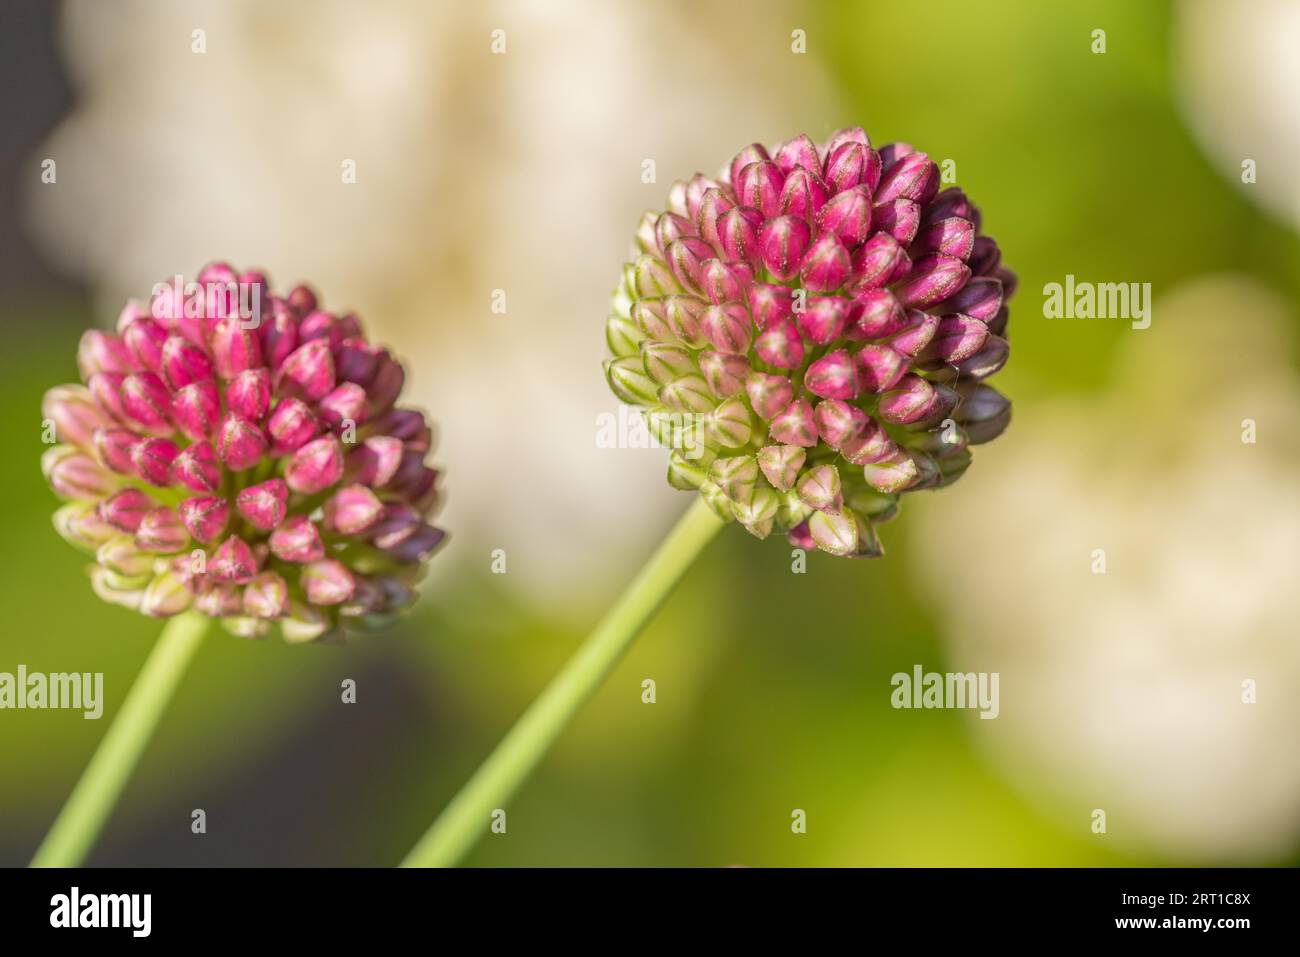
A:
251, 465
810, 331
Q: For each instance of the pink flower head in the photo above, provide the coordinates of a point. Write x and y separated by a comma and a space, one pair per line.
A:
243, 454
818, 320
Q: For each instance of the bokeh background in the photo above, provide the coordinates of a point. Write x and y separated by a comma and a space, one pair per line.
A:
522, 172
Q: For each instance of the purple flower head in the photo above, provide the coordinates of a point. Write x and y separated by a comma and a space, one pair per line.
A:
827, 314
253, 465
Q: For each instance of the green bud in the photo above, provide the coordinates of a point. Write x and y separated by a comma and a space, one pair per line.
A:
627, 378
622, 336
736, 477
729, 425
835, 532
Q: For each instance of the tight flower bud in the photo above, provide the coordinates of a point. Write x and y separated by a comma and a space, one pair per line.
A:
263, 505
204, 517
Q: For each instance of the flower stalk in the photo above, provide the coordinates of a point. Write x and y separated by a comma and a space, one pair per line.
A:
92, 800
468, 816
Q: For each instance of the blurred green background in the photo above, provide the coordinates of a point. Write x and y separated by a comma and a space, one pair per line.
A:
773, 689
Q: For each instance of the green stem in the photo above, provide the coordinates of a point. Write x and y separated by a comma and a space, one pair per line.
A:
468, 816
92, 800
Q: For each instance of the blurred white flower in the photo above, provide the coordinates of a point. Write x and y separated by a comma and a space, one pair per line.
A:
475, 171
1239, 79
1123, 691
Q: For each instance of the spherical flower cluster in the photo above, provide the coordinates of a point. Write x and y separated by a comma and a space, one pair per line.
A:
810, 332
241, 453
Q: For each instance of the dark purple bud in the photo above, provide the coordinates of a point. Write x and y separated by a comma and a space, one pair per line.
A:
933, 279
901, 218
303, 299
984, 412
375, 460
981, 298
913, 177
279, 334
951, 202
356, 361
323, 325
386, 385
985, 256
953, 236
916, 333
958, 337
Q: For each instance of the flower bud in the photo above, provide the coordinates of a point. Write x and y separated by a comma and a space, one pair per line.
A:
263, 505
161, 530
291, 426
233, 562
197, 469
75, 414
240, 443
204, 517
166, 595
152, 460
297, 541
196, 409
266, 596
352, 509
248, 395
